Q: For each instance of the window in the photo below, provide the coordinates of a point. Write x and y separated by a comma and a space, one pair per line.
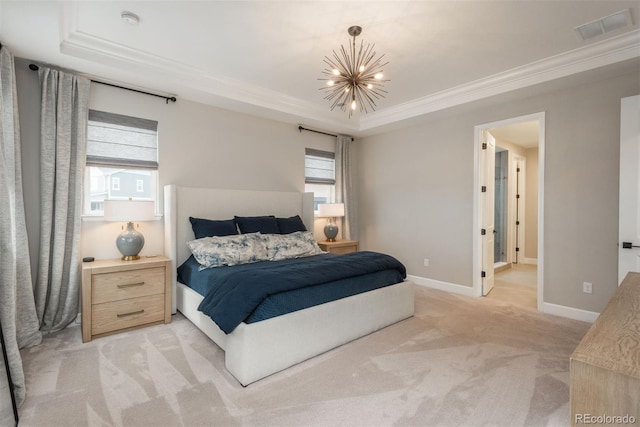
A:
122, 159
97, 206
320, 176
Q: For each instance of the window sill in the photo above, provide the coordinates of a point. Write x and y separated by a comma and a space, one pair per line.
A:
100, 218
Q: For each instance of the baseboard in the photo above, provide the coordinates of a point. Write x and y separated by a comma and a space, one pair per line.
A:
532, 261
443, 286
570, 312
554, 309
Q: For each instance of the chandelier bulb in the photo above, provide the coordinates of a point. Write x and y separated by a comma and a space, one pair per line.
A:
336, 72
361, 68
330, 83
353, 104
369, 86
346, 89
378, 76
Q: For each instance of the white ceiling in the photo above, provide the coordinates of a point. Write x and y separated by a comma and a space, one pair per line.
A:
524, 134
265, 57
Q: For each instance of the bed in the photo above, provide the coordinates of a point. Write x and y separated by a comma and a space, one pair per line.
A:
256, 350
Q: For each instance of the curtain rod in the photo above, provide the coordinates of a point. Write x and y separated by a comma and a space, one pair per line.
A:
301, 128
34, 67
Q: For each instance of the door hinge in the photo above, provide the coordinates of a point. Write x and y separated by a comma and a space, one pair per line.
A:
517, 249
517, 222
518, 170
517, 196
483, 274
483, 232
484, 145
483, 188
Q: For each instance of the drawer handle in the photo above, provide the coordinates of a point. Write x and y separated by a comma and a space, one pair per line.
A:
130, 314
130, 285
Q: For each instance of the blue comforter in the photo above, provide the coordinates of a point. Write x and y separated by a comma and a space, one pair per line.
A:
240, 290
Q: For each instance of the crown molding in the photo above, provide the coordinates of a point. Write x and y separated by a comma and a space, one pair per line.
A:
272, 104
606, 52
86, 46
255, 98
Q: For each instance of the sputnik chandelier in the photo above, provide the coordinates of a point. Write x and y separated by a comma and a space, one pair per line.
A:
354, 79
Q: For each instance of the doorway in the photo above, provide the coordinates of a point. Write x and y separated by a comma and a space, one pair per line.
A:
501, 210
516, 175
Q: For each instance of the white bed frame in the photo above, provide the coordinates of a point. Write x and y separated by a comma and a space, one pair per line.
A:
254, 351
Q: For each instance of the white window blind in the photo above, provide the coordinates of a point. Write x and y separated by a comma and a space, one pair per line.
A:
319, 167
114, 140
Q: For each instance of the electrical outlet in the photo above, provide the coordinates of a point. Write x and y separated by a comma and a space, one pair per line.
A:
587, 287
426, 262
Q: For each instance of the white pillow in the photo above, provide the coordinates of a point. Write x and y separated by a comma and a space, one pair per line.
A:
218, 251
294, 245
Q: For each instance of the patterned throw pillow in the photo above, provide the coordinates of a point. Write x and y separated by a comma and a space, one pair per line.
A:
294, 245
218, 251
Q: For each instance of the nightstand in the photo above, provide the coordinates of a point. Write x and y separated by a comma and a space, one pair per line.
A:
339, 247
120, 295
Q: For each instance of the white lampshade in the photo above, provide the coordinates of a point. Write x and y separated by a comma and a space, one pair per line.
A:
331, 210
129, 210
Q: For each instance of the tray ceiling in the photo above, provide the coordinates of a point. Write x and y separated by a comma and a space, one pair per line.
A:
265, 57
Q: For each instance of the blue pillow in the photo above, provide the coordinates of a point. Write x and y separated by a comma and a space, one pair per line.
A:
209, 227
257, 224
291, 224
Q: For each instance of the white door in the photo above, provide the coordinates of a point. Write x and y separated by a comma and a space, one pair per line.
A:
519, 201
629, 231
488, 164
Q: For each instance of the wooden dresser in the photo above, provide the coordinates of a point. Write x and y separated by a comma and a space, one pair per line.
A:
605, 367
119, 295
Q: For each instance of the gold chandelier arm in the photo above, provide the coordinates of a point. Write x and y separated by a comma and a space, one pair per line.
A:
358, 81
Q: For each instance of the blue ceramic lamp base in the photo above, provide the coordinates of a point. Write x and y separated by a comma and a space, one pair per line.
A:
130, 243
331, 230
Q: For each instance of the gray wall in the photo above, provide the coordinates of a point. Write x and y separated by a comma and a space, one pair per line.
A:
198, 146
29, 112
417, 188
415, 182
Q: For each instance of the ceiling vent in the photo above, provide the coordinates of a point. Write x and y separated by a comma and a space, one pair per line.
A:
601, 26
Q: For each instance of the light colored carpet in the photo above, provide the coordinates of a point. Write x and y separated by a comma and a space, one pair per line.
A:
460, 361
517, 285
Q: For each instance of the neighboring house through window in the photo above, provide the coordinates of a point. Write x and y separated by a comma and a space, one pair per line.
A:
122, 160
320, 176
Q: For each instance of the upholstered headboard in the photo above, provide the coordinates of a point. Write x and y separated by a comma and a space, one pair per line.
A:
182, 202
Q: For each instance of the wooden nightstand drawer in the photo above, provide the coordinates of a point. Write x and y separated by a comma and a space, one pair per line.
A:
340, 247
118, 295
113, 316
121, 285
343, 250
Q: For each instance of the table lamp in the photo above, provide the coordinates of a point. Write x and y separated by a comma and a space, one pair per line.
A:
331, 211
130, 241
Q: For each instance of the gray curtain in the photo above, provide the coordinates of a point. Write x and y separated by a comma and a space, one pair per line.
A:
63, 146
17, 309
344, 187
